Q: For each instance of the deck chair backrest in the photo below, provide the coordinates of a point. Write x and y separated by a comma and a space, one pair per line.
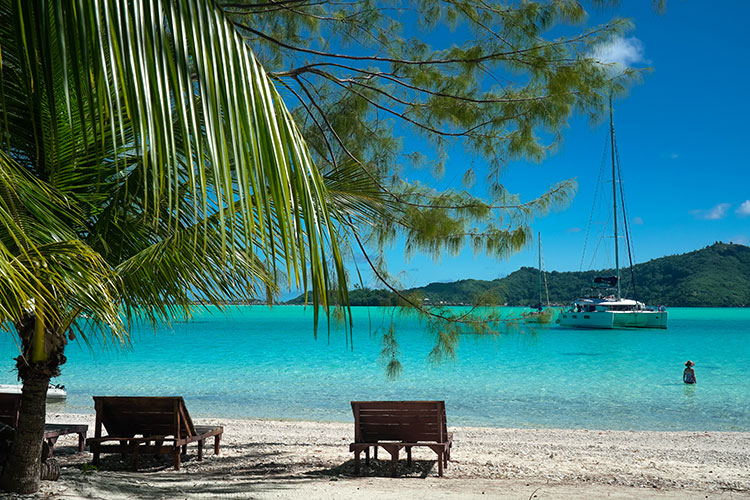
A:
409, 421
9, 405
146, 416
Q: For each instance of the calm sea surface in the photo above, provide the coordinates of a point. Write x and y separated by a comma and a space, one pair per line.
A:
260, 362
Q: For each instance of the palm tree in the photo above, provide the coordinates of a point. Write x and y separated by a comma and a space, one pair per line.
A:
146, 162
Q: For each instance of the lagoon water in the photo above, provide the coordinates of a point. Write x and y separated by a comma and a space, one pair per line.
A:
258, 362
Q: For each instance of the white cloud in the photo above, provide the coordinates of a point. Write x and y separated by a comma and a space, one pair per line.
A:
637, 220
573, 230
744, 209
620, 51
717, 212
674, 156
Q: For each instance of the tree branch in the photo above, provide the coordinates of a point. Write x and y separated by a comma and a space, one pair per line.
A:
469, 60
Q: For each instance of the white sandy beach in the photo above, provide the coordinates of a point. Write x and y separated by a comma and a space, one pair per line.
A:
267, 459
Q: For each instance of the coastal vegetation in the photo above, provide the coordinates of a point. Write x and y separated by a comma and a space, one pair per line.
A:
714, 276
147, 161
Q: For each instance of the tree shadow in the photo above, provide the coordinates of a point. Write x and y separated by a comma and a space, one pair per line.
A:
380, 468
240, 470
246, 459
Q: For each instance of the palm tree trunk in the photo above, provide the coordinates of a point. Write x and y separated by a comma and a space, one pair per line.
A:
22, 470
21, 473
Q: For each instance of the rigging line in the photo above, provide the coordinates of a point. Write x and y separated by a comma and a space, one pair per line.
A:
601, 238
593, 205
544, 274
625, 220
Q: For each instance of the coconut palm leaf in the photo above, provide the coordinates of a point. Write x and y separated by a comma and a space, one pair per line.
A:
136, 109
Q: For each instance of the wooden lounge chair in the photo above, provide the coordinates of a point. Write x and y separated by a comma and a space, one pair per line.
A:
148, 425
9, 407
393, 425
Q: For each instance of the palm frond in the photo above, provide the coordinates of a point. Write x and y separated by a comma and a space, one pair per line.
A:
156, 123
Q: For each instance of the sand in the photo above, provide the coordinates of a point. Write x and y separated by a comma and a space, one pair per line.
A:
267, 459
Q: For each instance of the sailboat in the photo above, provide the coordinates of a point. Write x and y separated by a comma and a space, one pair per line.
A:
606, 308
540, 314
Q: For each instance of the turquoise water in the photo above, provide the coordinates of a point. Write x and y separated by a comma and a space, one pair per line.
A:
260, 362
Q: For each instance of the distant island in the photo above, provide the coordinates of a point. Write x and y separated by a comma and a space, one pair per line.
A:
715, 276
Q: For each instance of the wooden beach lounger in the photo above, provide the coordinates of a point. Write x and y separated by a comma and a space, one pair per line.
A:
9, 407
393, 425
148, 425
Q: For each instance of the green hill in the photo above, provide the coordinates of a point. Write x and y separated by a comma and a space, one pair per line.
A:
715, 276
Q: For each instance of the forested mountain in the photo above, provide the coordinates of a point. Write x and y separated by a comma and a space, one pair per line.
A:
715, 276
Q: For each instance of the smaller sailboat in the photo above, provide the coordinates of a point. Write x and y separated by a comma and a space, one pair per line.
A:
540, 314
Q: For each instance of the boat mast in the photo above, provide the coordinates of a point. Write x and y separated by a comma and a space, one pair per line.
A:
539, 238
614, 195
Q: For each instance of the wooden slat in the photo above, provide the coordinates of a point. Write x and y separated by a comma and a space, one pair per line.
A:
410, 419
399, 404
56, 430
9, 406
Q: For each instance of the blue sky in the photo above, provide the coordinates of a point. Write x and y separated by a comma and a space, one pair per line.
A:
681, 136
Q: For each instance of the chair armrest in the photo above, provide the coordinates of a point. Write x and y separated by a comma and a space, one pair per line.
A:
130, 439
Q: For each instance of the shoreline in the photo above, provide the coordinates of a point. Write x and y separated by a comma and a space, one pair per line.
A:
267, 458
199, 417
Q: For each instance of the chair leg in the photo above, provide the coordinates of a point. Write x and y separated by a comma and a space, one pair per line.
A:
408, 456
136, 457
81, 442
184, 449
441, 455
356, 461
393, 450
200, 450
367, 456
51, 443
176, 458
216, 444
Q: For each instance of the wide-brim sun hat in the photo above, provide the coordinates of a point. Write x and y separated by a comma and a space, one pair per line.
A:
689, 363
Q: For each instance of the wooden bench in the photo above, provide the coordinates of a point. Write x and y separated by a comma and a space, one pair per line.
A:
148, 425
393, 425
10, 404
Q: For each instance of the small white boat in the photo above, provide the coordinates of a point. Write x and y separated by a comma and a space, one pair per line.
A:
55, 392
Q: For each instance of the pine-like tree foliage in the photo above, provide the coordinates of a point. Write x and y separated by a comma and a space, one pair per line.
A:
498, 79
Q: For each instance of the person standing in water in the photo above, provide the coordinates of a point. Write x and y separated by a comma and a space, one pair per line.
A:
688, 376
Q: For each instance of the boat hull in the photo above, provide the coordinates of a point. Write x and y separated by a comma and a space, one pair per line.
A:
600, 320
606, 320
52, 392
640, 319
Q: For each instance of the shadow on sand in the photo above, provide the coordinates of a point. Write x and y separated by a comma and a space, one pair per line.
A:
239, 471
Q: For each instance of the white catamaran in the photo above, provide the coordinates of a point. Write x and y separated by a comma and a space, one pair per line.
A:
606, 308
